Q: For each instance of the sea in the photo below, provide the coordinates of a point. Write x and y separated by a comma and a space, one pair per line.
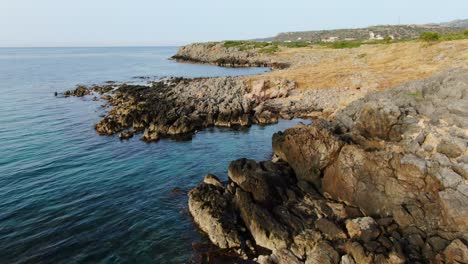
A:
68, 195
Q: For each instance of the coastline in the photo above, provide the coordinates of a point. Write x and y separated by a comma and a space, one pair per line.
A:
365, 188
376, 179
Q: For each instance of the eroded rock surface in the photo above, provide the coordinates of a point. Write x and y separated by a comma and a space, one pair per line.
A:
179, 106
385, 182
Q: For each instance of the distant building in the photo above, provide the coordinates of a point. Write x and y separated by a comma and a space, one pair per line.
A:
330, 39
373, 36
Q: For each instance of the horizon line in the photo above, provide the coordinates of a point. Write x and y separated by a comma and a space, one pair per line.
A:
91, 46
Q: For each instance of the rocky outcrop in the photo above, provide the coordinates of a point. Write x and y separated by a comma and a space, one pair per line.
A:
218, 53
291, 220
178, 106
385, 182
211, 207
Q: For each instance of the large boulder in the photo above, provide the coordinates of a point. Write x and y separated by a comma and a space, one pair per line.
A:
265, 181
308, 150
263, 227
211, 208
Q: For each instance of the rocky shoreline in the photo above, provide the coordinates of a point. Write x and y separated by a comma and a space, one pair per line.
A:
385, 181
218, 54
381, 180
175, 107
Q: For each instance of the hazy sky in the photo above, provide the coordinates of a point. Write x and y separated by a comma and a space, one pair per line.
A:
154, 22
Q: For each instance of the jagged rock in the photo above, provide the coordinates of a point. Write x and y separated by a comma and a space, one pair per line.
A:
266, 231
79, 91
126, 135
283, 256
323, 253
330, 229
380, 157
212, 210
357, 252
213, 180
265, 181
454, 204
150, 136
437, 243
456, 252
304, 242
364, 228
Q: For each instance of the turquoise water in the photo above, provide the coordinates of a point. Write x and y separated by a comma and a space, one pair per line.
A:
68, 195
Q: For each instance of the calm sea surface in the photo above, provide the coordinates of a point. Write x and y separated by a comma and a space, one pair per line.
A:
68, 195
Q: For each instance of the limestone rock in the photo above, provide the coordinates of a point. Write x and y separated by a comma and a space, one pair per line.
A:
323, 253
308, 150
456, 252
330, 229
266, 231
265, 181
211, 209
377, 118
213, 180
364, 228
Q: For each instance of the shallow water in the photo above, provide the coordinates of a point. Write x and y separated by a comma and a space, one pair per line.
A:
68, 195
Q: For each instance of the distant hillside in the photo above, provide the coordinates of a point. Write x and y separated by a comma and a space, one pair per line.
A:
459, 23
369, 33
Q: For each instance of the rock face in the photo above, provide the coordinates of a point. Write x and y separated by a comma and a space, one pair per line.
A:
385, 182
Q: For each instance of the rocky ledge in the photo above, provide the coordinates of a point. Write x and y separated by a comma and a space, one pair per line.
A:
384, 182
178, 106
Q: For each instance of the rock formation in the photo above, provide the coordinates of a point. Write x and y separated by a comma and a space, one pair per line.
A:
219, 54
384, 182
180, 106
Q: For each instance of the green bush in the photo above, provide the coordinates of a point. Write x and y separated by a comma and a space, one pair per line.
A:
342, 44
295, 44
465, 33
233, 43
387, 39
270, 49
429, 36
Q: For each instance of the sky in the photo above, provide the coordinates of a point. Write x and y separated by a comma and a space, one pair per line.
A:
60, 23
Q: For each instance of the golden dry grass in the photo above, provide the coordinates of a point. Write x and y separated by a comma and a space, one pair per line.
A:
369, 67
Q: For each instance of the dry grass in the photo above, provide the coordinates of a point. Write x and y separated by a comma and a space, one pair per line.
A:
369, 67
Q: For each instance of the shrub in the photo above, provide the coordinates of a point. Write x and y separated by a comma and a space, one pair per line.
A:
465, 33
233, 43
270, 49
343, 44
429, 36
295, 44
387, 39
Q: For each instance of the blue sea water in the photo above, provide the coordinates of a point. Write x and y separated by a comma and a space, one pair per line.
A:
68, 195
